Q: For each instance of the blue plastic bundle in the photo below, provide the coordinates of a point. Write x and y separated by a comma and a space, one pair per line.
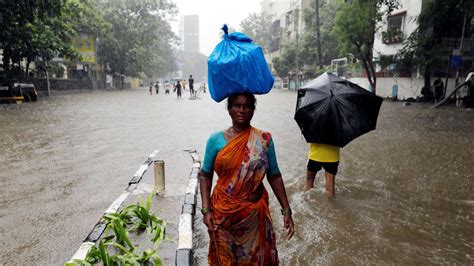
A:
237, 66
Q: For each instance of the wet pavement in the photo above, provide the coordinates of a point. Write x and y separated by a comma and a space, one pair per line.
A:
404, 191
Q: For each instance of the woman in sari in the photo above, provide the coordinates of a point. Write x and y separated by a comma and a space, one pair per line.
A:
237, 213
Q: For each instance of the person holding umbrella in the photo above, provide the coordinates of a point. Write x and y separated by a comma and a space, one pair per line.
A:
331, 112
323, 156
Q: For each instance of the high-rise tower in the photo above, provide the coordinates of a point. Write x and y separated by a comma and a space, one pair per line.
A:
190, 33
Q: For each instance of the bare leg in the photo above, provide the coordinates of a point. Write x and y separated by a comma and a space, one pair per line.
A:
330, 183
309, 179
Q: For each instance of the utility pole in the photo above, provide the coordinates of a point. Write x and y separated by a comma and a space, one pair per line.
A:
460, 49
318, 35
47, 78
297, 29
297, 62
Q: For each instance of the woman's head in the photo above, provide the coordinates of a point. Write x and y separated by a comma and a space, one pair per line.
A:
252, 101
241, 108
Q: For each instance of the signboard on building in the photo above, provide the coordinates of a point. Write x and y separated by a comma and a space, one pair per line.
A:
85, 46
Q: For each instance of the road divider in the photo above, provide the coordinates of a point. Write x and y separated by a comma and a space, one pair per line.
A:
99, 228
184, 253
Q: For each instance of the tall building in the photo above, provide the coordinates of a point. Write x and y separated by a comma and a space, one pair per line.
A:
190, 33
190, 60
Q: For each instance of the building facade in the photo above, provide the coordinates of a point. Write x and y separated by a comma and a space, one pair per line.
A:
392, 36
396, 28
189, 33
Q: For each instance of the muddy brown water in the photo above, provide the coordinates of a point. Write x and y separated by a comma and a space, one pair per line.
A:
404, 191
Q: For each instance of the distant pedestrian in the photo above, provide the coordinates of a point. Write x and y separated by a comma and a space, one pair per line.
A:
177, 88
151, 88
323, 156
204, 87
191, 85
167, 87
157, 87
438, 88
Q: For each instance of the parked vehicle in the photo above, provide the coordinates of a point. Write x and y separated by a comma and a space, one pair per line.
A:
18, 93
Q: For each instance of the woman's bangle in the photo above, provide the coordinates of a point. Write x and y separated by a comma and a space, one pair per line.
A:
205, 210
285, 211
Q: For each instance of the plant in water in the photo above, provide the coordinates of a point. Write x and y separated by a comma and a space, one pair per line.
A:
117, 248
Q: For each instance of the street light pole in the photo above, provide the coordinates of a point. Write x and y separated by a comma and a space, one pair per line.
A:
47, 78
460, 49
297, 61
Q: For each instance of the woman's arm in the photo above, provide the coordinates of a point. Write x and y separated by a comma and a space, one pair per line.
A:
276, 182
205, 177
205, 185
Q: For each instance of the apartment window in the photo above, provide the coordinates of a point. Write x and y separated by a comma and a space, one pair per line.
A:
394, 33
288, 19
276, 34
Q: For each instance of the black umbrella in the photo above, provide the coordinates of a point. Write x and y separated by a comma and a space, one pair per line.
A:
334, 111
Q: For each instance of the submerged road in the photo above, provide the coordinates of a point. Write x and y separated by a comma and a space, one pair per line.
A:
404, 191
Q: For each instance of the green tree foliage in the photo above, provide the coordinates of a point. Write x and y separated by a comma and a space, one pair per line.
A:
354, 29
140, 37
39, 30
308, 37
286, 62
258, 27
438, 19
86, 17
28, 29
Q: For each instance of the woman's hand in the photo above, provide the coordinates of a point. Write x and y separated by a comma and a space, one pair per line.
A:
209, 221
288, 225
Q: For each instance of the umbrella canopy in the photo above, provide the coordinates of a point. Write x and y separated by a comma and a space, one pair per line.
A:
334, 111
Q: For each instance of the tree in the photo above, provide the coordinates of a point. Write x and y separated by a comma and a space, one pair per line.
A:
438, 19
32, 29
140, 38
285, 62
37, 31
86, 17
258, 27
309, 40
355, 26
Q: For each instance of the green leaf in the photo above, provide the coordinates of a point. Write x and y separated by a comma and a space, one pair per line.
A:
149, 199
122, 234
104, 256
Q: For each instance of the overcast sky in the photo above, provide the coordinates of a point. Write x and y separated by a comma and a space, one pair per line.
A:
212, 15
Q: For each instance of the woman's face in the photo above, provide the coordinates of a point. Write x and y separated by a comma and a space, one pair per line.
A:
241, 111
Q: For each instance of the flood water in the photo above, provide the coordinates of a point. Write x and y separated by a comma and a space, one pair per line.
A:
404, 191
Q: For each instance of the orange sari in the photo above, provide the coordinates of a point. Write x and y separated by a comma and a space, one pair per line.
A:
239, 201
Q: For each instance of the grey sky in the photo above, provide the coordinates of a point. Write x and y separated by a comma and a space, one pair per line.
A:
213, 14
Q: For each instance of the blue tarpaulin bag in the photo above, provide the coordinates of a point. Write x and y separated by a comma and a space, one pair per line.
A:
236, 65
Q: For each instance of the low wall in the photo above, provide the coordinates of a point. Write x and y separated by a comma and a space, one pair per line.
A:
41, 85
407, 87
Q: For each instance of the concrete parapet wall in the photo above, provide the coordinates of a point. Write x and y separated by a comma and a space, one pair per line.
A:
407, 87
61, 84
